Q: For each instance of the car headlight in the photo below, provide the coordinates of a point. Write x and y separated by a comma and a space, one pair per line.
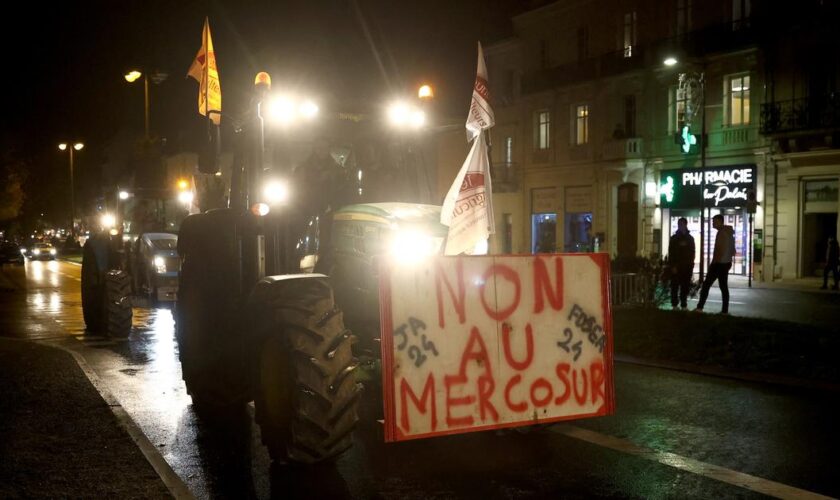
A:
407, 246
37, 251
52, 251
160, 265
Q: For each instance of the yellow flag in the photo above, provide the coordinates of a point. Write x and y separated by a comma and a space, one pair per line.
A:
204, 70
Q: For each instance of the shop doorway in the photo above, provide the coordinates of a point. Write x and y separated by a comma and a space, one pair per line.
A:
544, 233
816, 229
731, 217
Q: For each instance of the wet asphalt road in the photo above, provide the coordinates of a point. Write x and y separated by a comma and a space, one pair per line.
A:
672, 432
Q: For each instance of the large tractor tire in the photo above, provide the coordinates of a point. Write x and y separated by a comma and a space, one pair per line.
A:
117, 307
210, 328
306, 395
92, 290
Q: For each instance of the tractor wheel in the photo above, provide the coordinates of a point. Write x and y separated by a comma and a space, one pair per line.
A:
117, 304
306, 401
92, 290
210, 348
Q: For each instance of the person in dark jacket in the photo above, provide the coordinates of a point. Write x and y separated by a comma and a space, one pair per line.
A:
832, 258
681, 262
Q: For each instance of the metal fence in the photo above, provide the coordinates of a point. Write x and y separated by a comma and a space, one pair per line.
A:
631, 289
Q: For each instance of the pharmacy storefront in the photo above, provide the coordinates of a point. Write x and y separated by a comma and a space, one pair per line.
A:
698, 194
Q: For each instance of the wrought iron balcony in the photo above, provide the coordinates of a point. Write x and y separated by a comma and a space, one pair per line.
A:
798, 115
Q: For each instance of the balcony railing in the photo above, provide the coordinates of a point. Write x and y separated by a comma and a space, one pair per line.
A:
505, 177
619, 149
795, 115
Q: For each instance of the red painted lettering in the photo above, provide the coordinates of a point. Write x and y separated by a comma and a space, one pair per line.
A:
517, 407
476, 351
451, 421
580, 398
545, 385
457, 296
510, 275
563, 374
529, 347
597, 372
420, 404
542, 283
486, 386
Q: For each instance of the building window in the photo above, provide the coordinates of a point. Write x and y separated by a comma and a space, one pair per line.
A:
740, 14
508, 150
677, 104
629, 33
542, 136
581, 126
683, 16
737, 99
583, 43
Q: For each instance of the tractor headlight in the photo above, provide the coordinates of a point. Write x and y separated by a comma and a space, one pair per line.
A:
160, 264
108, 221
408, 246
23, 251
52, 251
37, 251
276, 192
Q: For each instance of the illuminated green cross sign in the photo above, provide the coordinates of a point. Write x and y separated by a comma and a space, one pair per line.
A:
667, 189
688, 139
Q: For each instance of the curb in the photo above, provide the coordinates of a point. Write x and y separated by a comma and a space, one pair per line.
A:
170, 479
766, 378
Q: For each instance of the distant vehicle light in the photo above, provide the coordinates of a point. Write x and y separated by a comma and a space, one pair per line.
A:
123, 195
160, 264
53, 251
36, 251
107, 220
23, 251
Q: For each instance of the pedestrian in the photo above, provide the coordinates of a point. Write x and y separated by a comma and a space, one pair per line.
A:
681, 262
721, 263
832, 259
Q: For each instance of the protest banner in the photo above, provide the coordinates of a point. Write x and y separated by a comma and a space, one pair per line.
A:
472, 343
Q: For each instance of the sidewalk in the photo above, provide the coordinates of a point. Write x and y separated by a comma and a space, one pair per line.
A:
58, 437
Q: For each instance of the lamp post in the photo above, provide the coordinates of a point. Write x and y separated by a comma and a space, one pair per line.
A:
693, 84
157, 77
78, 147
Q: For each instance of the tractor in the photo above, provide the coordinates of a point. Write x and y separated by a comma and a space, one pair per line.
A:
133, 255
270, 284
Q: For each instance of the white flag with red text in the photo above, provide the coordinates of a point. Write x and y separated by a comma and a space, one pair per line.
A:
481, 115
468, 206
205, 71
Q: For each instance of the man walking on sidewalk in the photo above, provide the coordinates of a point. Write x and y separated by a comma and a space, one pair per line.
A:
681, 261
721, 263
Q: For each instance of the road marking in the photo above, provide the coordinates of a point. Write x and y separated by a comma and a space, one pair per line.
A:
167, 475
711, 471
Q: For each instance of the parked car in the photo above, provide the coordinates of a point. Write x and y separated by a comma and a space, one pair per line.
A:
41, 251
10, 253
157, 265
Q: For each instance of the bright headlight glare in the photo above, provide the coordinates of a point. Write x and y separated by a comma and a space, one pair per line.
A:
108, 220
160, 264
36, 252
185, 197
409, 246
52, 251
276, 192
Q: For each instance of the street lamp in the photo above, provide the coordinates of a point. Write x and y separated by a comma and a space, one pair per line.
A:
78, 147
693, 84
157, 77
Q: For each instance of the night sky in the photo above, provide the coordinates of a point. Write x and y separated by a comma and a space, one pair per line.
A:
64, 65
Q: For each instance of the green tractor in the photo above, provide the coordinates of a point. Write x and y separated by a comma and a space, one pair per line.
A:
270, 285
